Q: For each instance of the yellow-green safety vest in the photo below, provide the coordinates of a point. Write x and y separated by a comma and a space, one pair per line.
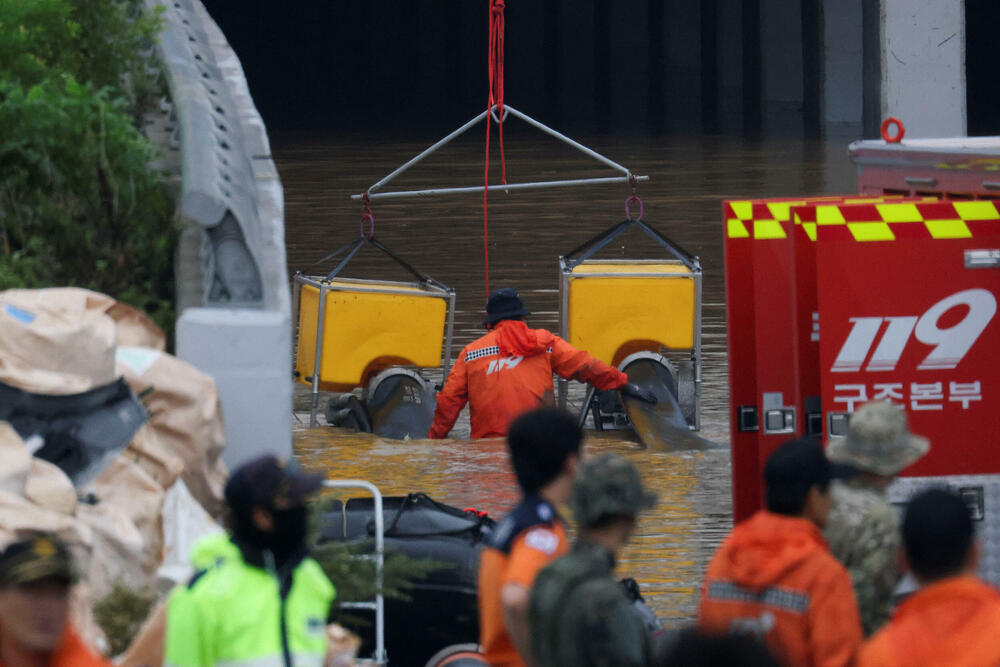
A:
232, 614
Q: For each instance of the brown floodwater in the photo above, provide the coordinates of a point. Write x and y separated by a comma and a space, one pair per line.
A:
528, 230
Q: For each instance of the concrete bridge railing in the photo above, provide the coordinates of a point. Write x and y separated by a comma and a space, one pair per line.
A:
234, 316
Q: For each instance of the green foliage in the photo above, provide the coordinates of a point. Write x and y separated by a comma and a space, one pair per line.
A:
34, 35
351, 568
121, 615
106, 43
79, 204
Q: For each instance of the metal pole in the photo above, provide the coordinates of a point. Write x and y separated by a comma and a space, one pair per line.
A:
318, 356
563, 385
380, 656
535, 185
562, 137
697, 350
425, 153
449, 332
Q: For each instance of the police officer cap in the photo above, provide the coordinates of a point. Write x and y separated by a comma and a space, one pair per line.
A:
607, 486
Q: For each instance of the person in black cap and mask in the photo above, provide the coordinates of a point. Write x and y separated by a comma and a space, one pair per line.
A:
256, 596
509, 371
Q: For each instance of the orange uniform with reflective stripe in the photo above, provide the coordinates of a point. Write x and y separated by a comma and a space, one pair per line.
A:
528, 539
72, 652
508, 372
953, 623
774, 577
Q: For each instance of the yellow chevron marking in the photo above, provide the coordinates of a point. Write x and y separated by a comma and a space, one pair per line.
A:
780, 210
976, 210
829, 215
871, 231
768, 229
742, 209
948, 229
735, 229
899, 212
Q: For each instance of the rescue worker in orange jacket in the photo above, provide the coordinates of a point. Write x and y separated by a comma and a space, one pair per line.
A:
35, 579
954, 618
509, 371
774, 576
544, 449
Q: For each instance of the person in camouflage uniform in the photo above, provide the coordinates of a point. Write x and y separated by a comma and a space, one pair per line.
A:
579, 614
863, 528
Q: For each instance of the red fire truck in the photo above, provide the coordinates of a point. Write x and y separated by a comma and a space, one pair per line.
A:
889, 294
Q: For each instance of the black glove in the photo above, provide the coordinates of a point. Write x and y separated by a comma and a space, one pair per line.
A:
633, 390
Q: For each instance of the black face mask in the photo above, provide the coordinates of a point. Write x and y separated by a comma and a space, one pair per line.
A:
287, 538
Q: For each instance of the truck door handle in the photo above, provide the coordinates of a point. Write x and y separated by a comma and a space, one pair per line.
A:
982, 259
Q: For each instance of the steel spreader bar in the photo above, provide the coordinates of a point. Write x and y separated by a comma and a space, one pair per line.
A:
509, 186
627, 176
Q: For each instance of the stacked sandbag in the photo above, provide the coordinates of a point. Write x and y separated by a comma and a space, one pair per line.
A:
132, 326
133, 523
52, 351
35, 497
186, 415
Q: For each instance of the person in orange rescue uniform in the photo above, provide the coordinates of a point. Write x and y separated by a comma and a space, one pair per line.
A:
509, 371
953, 619
544, 449
774, 576
36, 574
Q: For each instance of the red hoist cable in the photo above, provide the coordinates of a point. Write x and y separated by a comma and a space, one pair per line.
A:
495, 99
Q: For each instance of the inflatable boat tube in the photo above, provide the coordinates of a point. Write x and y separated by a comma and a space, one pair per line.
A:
442, 608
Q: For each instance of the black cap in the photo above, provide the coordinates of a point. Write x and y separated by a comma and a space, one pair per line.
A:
802, 462
34, 559
259, 482
503, 304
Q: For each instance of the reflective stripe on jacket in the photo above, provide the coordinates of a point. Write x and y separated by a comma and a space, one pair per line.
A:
774, 577
233, 614
954, 622
508, 372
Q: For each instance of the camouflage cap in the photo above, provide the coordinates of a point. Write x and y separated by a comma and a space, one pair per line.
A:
878, 440
608, 485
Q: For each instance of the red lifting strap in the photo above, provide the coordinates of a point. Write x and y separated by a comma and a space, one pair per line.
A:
495, 59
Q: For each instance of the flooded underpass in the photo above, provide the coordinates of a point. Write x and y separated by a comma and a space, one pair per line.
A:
443, 237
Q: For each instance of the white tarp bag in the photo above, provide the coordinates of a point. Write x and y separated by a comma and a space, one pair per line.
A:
184, 523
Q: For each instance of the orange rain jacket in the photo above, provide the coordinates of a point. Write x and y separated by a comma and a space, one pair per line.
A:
774, 577
954, 622
508, 372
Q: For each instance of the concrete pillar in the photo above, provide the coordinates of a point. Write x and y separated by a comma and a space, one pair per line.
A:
575, 85
682, 63
923, 66
248, 353
781, 65
842, 95
629, 60
729, 45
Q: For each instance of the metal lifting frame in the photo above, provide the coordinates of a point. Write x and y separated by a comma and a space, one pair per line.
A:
378, 605
626, 177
